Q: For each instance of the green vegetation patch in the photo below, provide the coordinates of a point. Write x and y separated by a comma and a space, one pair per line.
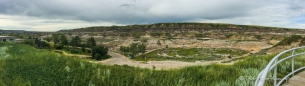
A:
32, 67
72, 50
289, 40
191, 54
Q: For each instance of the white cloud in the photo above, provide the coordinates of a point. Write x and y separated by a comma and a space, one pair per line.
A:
38, 24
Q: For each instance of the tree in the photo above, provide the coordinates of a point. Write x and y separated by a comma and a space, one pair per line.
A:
91, 42
41, 44
83, 48
37, 43
63, 40
124, 49
159, 43
142, 48
55, 38
48, 39
99, 50
30, 37
29, 42
76, 41
134, 48
97, 56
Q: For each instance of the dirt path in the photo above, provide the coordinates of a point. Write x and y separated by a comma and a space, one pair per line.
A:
72, 55
119, 59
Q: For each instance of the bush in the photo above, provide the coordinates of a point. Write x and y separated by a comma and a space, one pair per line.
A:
58, 46
99, 50
88, 51
74, 51
97, 56
29, 42
83, 49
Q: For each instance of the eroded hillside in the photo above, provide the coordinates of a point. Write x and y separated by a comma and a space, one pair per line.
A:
189, 35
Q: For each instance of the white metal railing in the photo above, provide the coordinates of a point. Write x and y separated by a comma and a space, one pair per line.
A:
262, 76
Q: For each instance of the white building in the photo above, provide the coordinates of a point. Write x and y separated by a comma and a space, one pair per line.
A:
8, 39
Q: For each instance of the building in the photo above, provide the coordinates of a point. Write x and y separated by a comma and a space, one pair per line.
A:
8, 39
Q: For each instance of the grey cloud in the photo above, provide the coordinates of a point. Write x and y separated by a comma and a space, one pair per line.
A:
297, 5
58, 21
137, 12
125, 5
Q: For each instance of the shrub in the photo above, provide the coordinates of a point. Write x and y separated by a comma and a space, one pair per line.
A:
99, 50
259, 37
88, 51
97, 56
229, 35
29, 42
74, 51
58, 46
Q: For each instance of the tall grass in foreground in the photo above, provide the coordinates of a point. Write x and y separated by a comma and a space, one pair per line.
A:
28, 66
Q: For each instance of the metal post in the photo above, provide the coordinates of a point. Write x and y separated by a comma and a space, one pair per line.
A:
275, 71
292, 62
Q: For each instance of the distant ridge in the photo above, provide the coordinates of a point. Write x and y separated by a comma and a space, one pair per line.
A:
17, 31
189, 27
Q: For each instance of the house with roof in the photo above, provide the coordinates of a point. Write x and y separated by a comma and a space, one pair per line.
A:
8, 39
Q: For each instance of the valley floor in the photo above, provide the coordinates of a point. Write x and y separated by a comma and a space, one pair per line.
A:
118, 59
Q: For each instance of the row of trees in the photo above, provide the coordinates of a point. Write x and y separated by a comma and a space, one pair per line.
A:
134, 48
97, 52
61, 41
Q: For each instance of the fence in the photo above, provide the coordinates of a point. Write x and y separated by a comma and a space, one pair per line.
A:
260, 80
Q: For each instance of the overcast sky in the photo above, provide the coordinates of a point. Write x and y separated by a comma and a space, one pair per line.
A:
53, 15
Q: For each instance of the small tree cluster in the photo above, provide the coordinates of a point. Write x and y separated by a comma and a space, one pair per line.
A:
55, 38
59, 40
134, 48
91, 42
76, 41
99, 52
63, 40
41, 44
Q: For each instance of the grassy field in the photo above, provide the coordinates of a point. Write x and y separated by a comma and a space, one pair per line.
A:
71, 50
191, 54
22, 65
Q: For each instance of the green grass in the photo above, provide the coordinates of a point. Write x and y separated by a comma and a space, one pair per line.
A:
27, 66
76, 51
289, 40
191, 54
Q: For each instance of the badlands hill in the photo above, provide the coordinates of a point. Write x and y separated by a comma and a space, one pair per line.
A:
191, 35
